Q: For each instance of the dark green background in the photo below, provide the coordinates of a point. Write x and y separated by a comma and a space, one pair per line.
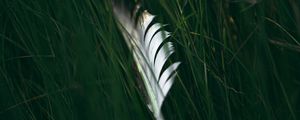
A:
67, 60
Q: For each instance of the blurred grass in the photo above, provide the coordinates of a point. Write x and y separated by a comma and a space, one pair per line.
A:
67, 60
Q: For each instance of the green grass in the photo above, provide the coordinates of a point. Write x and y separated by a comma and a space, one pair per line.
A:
67, 60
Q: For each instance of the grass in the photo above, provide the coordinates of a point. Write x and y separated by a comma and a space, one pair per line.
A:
67, 60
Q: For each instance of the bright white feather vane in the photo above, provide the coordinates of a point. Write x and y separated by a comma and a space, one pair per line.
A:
149, 56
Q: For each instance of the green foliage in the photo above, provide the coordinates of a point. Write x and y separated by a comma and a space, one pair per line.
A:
67, 60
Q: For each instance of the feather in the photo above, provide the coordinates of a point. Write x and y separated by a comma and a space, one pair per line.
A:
150, 52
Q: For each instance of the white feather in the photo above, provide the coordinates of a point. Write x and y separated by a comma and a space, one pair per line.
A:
149, 56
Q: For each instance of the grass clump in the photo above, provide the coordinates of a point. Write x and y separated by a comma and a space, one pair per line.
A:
67, 60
